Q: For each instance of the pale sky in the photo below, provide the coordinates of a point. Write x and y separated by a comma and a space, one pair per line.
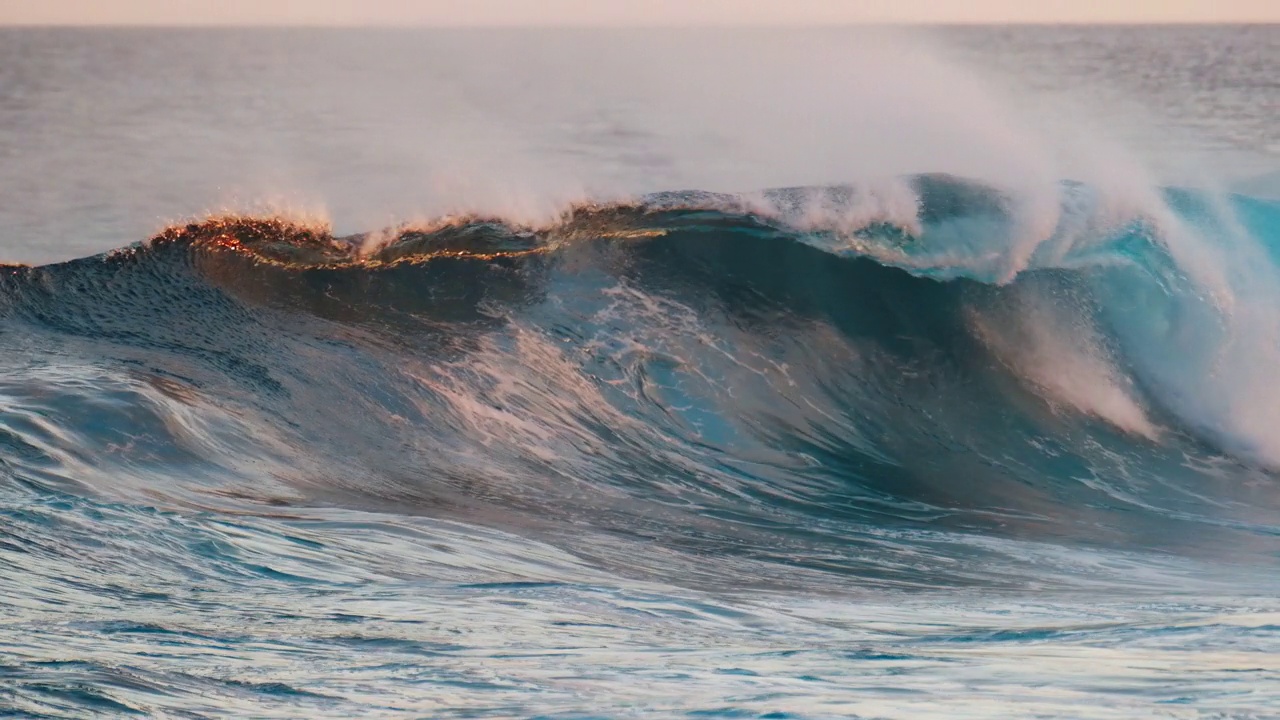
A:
624, 12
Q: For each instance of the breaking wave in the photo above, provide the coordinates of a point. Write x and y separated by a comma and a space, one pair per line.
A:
801, 384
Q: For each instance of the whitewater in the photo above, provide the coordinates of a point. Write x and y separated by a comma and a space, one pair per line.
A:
565, 374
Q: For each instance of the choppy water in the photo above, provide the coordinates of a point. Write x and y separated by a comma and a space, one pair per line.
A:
947, 393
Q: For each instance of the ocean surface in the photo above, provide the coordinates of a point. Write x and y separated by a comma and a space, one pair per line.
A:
770, 373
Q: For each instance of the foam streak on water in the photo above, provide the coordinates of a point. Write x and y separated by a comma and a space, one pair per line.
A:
283, 618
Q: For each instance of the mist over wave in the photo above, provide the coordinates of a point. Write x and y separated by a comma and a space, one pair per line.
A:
372, 127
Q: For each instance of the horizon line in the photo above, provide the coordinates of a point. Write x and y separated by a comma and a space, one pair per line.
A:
380, 25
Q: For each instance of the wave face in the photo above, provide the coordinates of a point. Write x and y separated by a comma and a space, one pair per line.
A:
805, 393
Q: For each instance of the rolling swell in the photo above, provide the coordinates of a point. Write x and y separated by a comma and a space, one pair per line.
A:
788, 382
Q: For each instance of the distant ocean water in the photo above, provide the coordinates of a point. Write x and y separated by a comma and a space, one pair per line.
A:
665, 373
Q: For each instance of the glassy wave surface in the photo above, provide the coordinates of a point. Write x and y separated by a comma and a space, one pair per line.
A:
913, 449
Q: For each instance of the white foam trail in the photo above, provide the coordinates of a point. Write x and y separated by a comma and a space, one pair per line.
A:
844, 210
1061, 357
1225, 380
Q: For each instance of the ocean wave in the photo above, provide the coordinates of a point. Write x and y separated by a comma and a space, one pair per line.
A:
856, 380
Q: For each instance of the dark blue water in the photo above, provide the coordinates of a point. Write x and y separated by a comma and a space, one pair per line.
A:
917, 445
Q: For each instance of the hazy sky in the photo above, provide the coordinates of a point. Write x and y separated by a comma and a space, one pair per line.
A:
626, 12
